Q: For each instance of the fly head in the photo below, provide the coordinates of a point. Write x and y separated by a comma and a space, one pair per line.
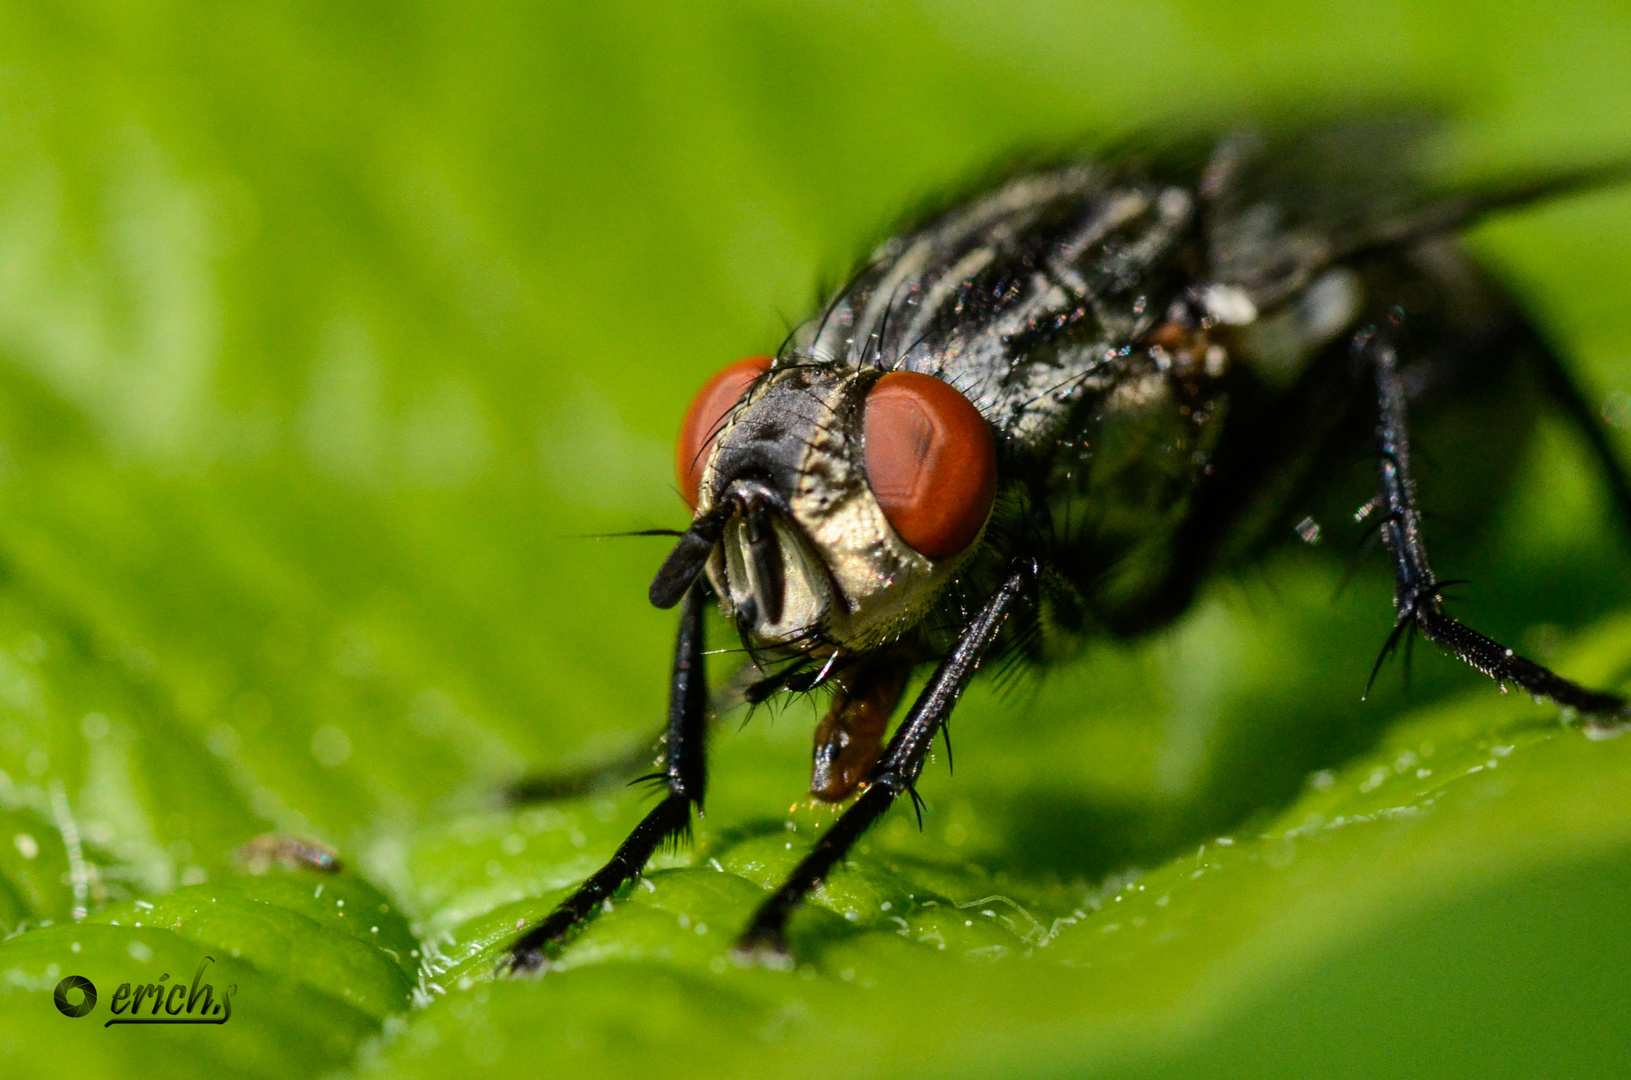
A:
831, 502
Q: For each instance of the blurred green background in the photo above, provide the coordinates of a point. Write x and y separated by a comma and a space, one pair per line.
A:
328, 331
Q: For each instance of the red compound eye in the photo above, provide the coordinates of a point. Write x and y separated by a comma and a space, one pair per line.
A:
702, 421
930, 461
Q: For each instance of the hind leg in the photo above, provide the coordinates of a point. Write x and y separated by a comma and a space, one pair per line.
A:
1417, 601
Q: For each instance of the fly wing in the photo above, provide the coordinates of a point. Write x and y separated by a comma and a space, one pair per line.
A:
1029, 297
1280, 208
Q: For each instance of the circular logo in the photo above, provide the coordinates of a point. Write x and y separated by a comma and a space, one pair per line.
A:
75, 982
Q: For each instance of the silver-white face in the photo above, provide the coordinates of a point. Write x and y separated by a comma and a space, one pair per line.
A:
849, 581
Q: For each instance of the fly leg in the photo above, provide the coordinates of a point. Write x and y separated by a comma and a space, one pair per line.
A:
685, 777
1416, 599
896, 772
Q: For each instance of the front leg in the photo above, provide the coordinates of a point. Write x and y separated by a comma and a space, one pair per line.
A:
685, 775
765, 941
1416, 598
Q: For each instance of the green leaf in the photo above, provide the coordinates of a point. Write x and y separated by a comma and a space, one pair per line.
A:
334, 932
932, 968
328, 338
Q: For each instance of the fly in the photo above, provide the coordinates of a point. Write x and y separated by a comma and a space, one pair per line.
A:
1053, 411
